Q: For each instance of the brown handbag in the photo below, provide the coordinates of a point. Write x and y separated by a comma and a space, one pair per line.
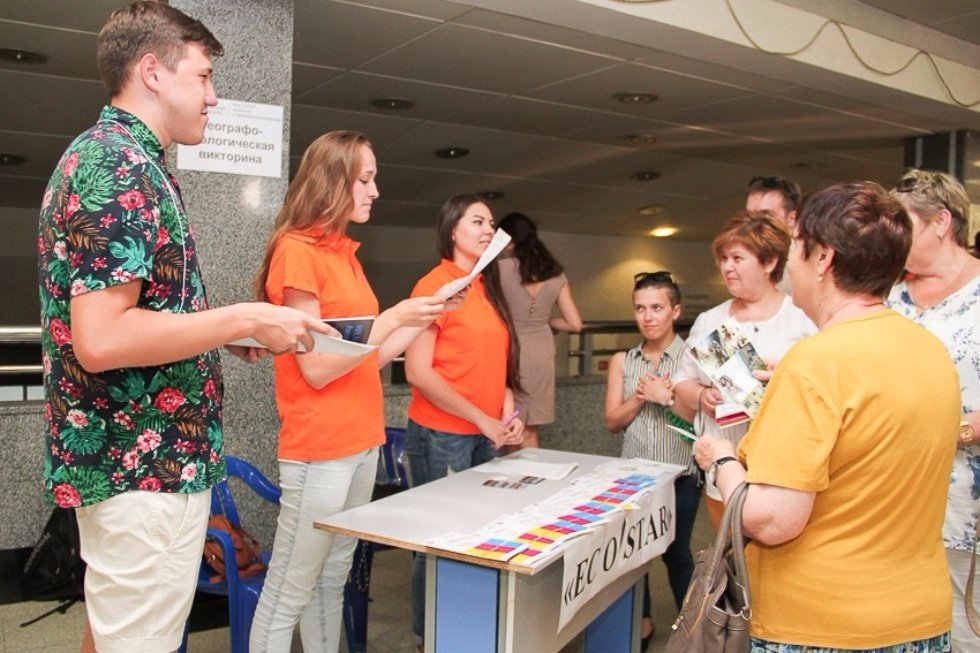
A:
716, 611
248, 558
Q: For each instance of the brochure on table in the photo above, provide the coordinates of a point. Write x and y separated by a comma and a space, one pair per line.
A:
728, 358
623, 509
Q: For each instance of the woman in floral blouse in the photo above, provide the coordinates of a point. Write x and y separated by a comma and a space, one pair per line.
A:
942, 293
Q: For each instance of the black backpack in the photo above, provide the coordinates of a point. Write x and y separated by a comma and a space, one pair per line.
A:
55, 570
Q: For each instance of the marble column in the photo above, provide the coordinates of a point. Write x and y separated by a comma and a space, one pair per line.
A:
232, 216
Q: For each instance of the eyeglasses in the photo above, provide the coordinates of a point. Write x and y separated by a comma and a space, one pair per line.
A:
659, 276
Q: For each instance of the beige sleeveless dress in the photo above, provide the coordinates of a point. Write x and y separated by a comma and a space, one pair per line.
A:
537, 366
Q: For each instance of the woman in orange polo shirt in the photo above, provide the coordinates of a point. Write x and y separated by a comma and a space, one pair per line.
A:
463, 368
331, 406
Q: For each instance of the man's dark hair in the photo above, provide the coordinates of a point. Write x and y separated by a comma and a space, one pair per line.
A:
143, 27
787, 188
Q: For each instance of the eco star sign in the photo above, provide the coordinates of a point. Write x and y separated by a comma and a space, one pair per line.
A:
242, 138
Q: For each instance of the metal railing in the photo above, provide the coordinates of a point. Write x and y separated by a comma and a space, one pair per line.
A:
587, 351
20, 362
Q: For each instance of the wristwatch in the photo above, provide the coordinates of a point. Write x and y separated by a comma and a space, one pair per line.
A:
967, 433
713, 470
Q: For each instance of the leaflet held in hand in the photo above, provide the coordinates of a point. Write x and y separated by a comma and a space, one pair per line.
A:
728, 358
500, 240
325, 344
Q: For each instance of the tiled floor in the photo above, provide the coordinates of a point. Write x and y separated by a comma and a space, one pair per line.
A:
389, 628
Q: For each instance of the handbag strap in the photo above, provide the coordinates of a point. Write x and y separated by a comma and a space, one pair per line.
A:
730, 532
737, 502
971, 612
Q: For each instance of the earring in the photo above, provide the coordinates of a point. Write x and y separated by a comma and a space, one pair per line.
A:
819, 278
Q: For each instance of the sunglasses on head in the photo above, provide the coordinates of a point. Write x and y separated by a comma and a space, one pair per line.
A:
661, 275
913, 183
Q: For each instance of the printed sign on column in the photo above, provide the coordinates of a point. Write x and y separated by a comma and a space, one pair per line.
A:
629, 539
242, 138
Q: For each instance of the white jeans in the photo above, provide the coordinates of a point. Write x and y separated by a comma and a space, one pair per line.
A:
964, 639
309, 567
143, 551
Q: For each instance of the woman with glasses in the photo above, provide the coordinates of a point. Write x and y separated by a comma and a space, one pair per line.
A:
942, 293
751, 253
533, 283
848, 459
639, 403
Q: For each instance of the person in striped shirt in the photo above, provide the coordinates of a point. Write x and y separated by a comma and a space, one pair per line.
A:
640, 405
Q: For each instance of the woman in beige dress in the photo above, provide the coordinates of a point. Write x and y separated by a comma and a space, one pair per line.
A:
533, 282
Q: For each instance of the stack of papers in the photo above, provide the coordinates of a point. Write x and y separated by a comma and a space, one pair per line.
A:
524, 537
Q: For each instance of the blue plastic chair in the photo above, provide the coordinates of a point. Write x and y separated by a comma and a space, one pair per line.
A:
242, 593
392, 478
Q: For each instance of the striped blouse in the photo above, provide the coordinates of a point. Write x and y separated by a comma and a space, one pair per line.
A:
647, 436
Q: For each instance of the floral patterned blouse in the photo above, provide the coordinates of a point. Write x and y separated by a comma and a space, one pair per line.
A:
956, 322
112, 214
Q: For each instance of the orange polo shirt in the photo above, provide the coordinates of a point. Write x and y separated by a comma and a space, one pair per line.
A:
347, 415
470, 353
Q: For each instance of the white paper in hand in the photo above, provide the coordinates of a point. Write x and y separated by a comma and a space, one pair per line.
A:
323, 344
500, 240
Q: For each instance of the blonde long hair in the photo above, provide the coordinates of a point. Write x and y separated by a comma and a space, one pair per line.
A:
320, 195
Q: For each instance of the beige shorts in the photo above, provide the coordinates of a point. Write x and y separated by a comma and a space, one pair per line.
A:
143, 552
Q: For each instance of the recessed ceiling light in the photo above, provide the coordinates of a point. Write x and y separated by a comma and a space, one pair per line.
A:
8, 159
491, 194
663, 232
392, 103
640, 139
452, 152
652, 209
646, 175
635, 98
21, 56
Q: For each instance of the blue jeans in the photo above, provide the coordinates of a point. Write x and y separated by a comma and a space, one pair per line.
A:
677, 558
430, 455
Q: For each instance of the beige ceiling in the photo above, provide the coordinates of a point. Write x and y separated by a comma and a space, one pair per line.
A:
531, 101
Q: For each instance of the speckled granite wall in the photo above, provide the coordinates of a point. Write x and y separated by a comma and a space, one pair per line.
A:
22, 509
233, 214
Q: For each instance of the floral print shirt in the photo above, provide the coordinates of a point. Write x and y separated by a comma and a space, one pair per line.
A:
956, 322
111, 215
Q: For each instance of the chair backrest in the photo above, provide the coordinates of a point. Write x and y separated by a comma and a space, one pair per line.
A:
222, 501
393, 458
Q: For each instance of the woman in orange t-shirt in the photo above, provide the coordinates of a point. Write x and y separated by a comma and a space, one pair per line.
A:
331, 406
463, 368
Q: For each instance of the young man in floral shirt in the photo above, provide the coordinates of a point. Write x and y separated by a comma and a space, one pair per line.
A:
131, 371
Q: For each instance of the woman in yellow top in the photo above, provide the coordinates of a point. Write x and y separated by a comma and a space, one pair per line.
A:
849, 457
